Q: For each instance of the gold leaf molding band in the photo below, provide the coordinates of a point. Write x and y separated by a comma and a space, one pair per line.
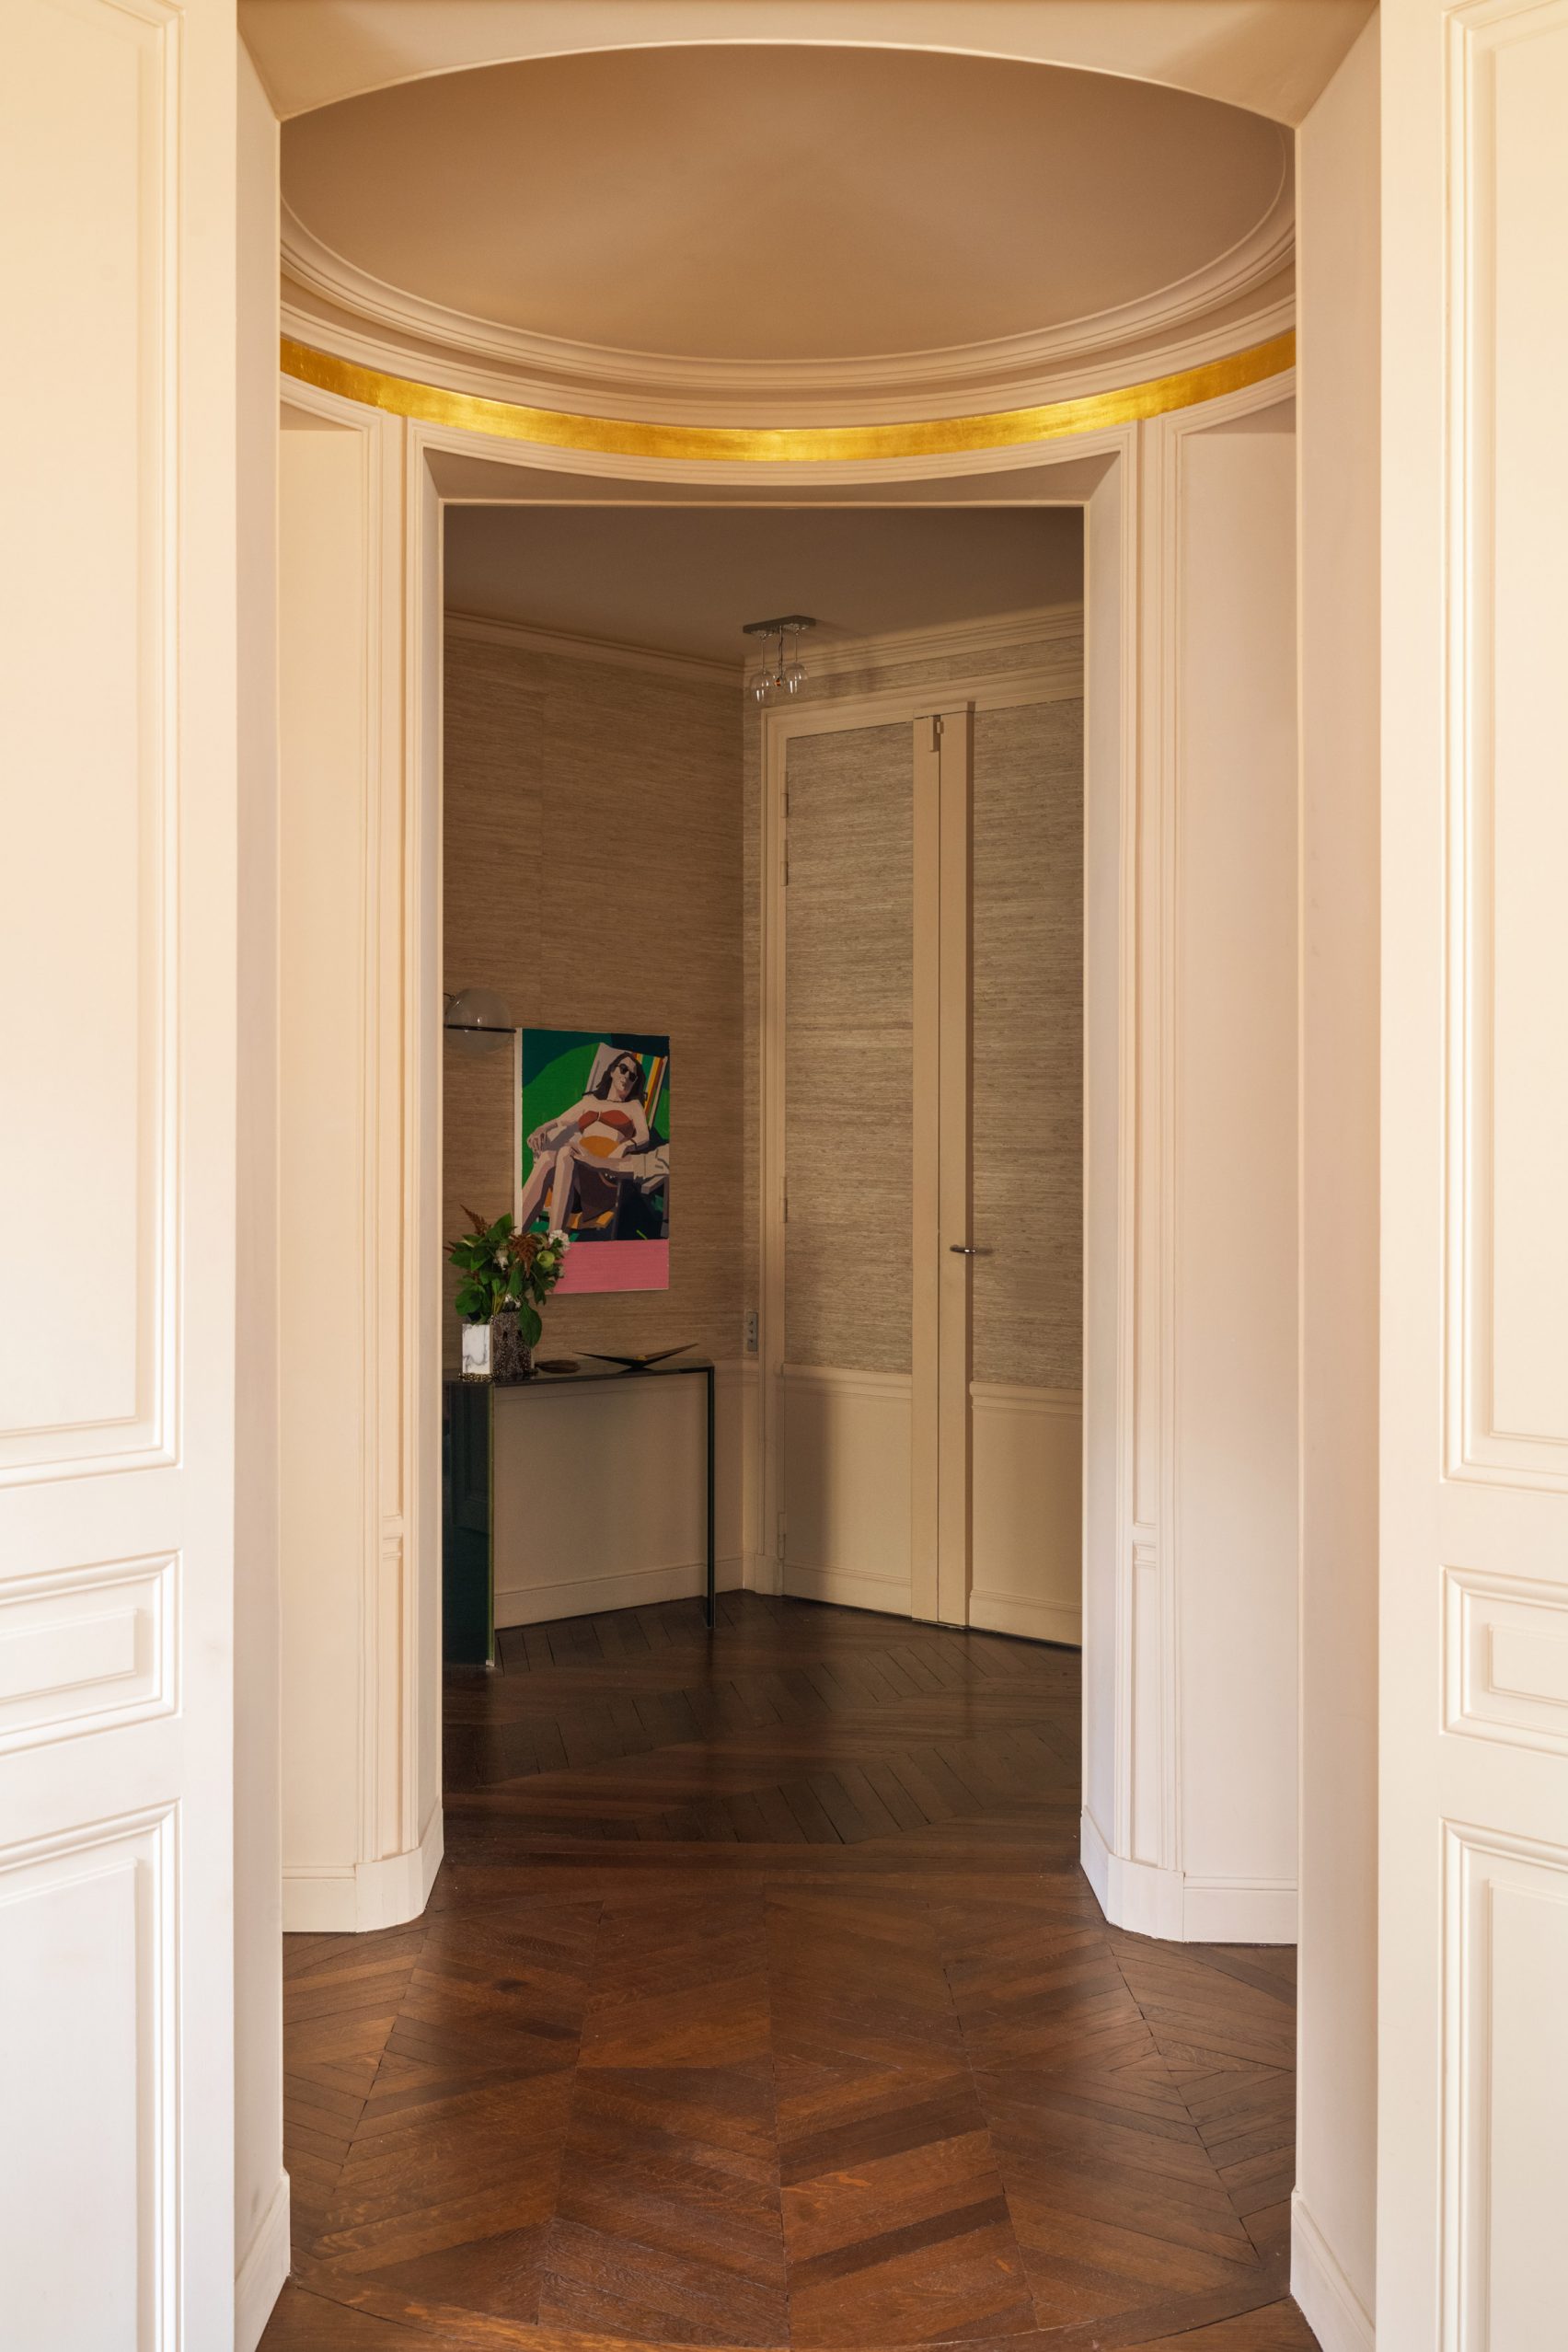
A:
775, 445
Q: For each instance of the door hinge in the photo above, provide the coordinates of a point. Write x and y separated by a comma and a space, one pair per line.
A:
783, 1525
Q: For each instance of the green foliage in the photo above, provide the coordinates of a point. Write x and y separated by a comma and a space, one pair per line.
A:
501, 1267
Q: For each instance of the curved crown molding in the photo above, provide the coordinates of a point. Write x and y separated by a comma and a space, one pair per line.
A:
1074, 357
931, 437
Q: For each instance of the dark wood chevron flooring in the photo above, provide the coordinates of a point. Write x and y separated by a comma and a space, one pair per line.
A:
761, 2001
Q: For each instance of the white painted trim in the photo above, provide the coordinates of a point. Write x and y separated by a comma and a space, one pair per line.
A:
382, 1894
481, 628
1237, 1911
1035, 1620
848, 1383
1005, 1396
263, 2272
1050, 678
1330, 2304
625, 1588
848, 1588
1178, 1909
942, 641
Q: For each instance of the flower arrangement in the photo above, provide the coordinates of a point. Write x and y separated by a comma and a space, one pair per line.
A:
504, 1269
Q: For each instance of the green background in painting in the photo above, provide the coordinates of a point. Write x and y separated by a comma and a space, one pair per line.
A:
555, 1063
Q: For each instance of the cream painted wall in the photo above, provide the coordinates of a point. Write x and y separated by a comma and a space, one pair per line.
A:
1110, 657
1333, 2259
1190, 1560
1233, 1190
261, 2243
358, 1009
321, 1011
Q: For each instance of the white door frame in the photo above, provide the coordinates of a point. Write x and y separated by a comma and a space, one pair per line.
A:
1132, 1755
1126, 1251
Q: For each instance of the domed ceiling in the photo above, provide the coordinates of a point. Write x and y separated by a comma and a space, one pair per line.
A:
777, 233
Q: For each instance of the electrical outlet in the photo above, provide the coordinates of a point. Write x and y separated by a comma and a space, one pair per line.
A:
751, 1330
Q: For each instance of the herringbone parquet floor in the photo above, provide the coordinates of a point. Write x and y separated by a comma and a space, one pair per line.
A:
761, 2003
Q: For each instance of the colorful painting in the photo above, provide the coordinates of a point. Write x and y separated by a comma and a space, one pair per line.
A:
594, 1157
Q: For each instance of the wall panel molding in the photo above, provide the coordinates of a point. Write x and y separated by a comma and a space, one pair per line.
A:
1507, 1384
1505, 2071
88, 1649
102, 1046
1506, 1659
71, 1901
355, 723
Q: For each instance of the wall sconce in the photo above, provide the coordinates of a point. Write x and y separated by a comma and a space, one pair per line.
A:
477, 1019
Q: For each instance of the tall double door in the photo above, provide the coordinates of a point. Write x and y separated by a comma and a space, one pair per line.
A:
930, 1258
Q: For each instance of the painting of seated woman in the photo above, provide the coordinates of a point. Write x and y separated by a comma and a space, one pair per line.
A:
594, 1162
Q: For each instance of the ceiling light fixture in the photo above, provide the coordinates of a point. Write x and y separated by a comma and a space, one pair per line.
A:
478, 1021
782, 671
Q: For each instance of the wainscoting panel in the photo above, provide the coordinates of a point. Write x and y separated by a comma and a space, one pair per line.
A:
847, 1486
89, 1062
86, 1649
1506, 1659
846, 1489
1028, 1511
90, 1913
1505, 2139
1508, 1241
600, 1499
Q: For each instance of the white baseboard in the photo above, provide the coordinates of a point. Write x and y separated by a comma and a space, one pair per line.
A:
370, 1895
1333, 2309
848, 1588
1237, 1911
623, 1589
763, 1574
1095, 1856
1180, 1907
1036, 1620
263, 2273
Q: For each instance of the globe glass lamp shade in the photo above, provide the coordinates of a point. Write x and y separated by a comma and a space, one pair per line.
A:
478, 1021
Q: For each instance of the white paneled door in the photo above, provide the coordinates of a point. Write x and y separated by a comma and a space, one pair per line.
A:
117, 1175
927, 1100
1473, 1879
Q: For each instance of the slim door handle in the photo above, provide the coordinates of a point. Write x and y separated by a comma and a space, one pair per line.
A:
967, 1250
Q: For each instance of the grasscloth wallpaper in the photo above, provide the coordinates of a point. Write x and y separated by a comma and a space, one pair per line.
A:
602, 868
593, 876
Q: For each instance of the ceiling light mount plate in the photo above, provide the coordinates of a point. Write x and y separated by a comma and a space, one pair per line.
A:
793, 622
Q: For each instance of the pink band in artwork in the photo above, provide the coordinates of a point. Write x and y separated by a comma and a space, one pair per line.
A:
616, 1265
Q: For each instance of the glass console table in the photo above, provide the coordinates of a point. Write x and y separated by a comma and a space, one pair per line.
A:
467, 1605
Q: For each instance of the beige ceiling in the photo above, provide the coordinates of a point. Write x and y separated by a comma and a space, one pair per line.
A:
685, 579
746, 204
